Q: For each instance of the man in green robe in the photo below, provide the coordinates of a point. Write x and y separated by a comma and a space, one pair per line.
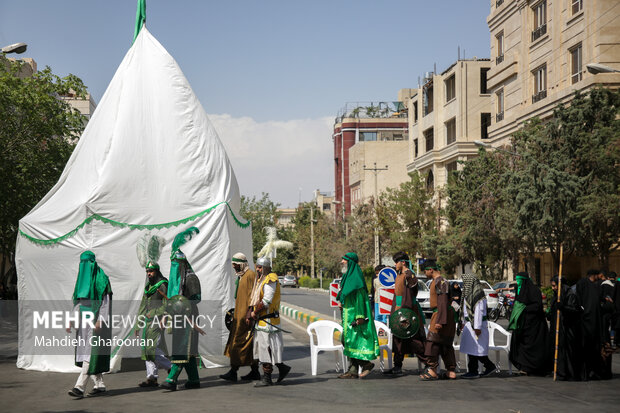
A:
93, 295
184, 290
359, 335
152, 310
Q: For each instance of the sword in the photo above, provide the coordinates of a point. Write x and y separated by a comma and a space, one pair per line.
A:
275, 314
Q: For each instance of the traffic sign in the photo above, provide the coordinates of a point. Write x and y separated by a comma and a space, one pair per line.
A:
386, 297
387, 277
334, 288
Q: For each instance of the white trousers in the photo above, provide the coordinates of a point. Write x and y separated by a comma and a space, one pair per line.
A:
83, 378
160, 362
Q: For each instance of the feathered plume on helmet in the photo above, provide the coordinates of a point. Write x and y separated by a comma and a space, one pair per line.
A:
273, 243
181, 239
149, 248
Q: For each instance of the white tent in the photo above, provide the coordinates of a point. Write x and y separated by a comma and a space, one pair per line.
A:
149, 160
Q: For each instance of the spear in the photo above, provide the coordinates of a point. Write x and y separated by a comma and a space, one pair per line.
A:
557, 318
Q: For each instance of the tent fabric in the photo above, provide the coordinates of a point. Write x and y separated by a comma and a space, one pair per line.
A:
148, 160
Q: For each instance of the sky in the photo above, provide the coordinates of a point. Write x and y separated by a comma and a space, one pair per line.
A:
271, 74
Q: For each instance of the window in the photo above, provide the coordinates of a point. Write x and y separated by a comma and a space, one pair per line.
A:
575, 64
485, 122
483, 80
397, 136
368, 136
450, 85
428, 99
500, 106
498, 3
415, 148
577, 6
499, 41
450, 131
429, 138
540, 20
430, 181
415, 111
540, 83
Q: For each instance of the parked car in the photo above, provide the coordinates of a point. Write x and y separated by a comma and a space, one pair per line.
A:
289, 281
424, 295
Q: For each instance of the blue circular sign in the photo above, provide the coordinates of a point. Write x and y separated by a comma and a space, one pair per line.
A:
387, 277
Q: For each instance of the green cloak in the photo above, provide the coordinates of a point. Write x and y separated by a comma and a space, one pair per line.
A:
92, 284
360, 341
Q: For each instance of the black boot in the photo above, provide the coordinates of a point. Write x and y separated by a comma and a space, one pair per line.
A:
231, 375
283, 371
265, 381
253, 374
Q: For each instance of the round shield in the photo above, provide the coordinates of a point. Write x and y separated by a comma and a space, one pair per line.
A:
228, 318
179, 305
404, 323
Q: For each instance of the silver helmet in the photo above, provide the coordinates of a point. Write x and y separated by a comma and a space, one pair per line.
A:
264, 262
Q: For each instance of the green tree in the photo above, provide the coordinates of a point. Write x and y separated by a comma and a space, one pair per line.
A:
263, 212
592, 124
405, 214
328, 241
37, 135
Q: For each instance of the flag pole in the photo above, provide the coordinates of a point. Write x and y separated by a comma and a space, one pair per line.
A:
557, 317
140, 18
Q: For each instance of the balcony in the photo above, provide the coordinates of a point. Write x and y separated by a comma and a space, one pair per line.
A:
539, 32
539, 96
499, 117
499, 59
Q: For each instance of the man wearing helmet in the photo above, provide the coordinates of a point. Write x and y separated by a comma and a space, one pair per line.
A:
265, 303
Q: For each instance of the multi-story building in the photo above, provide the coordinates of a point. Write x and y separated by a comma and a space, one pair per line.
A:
446, 115
541, 51
325, 203
365, 134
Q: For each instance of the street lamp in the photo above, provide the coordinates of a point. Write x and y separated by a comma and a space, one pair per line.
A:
596, 68
15, 48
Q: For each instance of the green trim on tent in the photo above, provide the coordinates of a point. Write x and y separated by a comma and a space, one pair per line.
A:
131, 226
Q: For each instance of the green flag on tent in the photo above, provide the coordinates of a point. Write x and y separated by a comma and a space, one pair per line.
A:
140, 18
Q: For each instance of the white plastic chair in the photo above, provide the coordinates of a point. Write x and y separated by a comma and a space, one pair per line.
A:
493, 347
379, 326
324, 331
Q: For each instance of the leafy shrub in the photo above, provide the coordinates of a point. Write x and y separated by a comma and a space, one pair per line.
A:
304, 281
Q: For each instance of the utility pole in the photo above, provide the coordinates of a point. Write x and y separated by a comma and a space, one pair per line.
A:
377, 250
311, 241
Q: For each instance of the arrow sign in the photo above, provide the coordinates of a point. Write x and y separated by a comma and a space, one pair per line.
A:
387, 277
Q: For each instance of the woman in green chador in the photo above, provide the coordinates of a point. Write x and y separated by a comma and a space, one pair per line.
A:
359, 336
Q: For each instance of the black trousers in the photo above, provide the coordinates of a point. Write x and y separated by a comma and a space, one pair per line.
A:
472, 363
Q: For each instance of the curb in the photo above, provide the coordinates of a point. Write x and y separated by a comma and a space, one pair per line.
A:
302, 315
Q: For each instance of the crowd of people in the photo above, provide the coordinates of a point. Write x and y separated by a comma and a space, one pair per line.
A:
586, 313
581, 349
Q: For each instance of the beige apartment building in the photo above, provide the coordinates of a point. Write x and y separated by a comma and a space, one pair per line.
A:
366, 134
376, 166
542, 51
446, 115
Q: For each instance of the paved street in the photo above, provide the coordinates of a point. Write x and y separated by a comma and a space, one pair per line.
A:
38, 391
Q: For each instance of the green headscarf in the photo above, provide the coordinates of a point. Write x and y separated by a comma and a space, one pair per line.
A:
92, 283
521, 277
353, 279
